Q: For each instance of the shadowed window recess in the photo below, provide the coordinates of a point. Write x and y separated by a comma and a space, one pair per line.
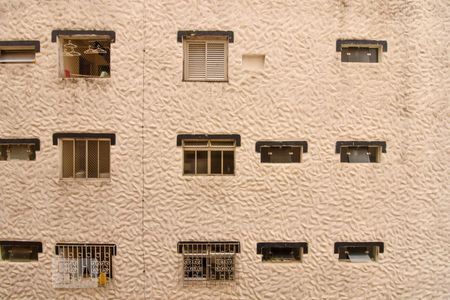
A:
19, 251
209, 261
282, 251
358, 252
18, 51
360, 151
208, 154
84, 54
362, 51
19, 149
281, 151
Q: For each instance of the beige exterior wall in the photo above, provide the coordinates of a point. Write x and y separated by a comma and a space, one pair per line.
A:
303, 93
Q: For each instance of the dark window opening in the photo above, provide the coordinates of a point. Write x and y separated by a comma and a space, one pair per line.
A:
359, 54
17, 251
360, 154
282, 252
358, 252
85, 57
17, 152
281, 154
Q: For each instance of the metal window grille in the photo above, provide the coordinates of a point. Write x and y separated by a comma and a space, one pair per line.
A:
85, 57
83, 265
206, 60
209, 262
211, 157
85, 158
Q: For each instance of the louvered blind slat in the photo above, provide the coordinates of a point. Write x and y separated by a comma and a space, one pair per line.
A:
196, 61
215, 68
206, 61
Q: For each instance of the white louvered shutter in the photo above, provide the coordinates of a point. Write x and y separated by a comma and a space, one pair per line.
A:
206, 61
196, 61
215, 61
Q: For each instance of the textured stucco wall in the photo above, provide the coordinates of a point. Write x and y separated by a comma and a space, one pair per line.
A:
304, 93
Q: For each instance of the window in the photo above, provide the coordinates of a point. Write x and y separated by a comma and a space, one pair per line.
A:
208, 154
361, 252
360, 151
209, 261
281, 152
83, 265
84, 155
18, 51
205, 60
359, 54
19, 251
205, 54
282, 252
85, 158
84, 53
363, 51
19, 149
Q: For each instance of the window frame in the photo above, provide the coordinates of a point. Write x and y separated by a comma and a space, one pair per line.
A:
87, 139
74, 37
281, 147
206, 40
372, 249
34, 247
208, 148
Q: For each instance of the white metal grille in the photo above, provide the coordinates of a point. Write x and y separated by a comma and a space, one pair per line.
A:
205, 60
83, 266
85, 158
209, 262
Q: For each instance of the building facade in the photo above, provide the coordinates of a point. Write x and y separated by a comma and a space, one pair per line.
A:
156, 149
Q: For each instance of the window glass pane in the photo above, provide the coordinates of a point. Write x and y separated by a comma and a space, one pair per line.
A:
222, 143
80, 159
216, 162
202, 162
359, 54
228, 162
358, 155
20, 152
280, 154
67, 159
195, 143
18, 253
92, 159
189, 162
3, 152
104, 148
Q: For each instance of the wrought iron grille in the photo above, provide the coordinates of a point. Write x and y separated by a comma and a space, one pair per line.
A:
83, 265
211, 262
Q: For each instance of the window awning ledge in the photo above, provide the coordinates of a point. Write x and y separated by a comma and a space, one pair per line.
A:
340, 43
29, 44
303, 144
235, 137
35, 142
84, 135
190, 33
338, 245
340, 144
58, 32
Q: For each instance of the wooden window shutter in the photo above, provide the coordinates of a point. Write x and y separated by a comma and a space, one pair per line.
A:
206, 61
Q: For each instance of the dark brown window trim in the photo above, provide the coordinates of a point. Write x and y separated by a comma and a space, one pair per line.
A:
339, 43
58, 32
85, 135
113, 246
235, 137
35, 44
35, 142
338, 245
260, 246
181, 244
29, 244
340, 144
303, 144
187, 33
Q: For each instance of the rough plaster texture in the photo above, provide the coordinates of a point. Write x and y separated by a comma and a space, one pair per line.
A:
304, 92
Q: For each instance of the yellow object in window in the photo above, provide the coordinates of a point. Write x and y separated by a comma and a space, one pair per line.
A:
102, 279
